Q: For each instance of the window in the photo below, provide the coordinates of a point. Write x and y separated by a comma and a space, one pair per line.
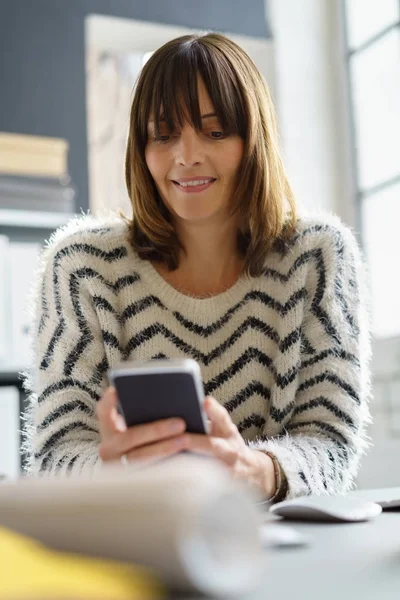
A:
375, 75
373, 57
381, 218
367, 18
373, 52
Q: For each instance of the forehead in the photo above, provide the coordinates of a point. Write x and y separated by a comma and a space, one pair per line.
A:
205, 101
171, 101
205, 105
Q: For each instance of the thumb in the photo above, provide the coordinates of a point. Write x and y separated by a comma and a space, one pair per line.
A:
221, 422
110, 421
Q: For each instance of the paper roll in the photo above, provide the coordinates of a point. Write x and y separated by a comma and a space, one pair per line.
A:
184, 517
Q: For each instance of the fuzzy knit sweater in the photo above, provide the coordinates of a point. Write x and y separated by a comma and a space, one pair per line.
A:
286, 353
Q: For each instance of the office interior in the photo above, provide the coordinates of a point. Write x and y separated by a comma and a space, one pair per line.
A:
68, 72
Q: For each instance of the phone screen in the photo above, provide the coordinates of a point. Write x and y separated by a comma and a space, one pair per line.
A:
148, 397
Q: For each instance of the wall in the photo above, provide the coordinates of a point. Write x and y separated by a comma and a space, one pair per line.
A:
42, 78
312, 103
42, 52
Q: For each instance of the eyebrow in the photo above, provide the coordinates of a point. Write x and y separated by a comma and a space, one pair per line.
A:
206, 116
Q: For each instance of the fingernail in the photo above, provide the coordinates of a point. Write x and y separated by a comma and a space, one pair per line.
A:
120, 423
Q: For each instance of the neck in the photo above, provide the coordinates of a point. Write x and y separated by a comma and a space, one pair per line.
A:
211, 249
210, 261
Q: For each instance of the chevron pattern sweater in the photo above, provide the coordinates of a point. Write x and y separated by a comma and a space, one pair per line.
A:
286, 353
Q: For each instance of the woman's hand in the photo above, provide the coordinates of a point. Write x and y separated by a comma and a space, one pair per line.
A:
144, 442
154, 441
225, 443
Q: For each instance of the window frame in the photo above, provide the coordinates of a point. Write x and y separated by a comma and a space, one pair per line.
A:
358, 193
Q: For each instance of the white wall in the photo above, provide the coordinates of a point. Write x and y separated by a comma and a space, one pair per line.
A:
311, 103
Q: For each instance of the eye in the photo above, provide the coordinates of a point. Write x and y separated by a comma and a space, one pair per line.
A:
163, 138
217, 135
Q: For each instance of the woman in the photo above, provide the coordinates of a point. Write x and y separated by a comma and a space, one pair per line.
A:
215, 266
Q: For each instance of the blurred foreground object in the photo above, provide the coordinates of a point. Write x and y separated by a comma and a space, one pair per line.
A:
30, 571
185, 518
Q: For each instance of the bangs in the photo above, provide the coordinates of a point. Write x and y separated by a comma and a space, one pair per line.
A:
172, 96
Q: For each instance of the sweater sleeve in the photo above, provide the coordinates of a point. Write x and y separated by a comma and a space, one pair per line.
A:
320, 448
68, 364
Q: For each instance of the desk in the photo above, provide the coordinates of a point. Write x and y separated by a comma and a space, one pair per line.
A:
345, 562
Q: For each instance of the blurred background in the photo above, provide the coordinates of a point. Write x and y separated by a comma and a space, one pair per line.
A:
66, 81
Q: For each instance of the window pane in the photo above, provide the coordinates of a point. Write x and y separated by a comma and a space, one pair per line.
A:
376, 96
381, 218
366, 18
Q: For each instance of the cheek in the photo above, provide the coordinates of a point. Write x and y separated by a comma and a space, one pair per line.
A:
151, 163
232, 160
158, 165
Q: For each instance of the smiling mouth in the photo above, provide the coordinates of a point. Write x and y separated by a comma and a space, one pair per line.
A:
195, 185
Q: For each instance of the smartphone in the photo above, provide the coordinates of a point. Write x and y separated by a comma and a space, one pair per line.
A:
150, 390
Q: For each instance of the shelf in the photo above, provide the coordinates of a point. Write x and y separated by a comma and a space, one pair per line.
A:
11, 377
33, 219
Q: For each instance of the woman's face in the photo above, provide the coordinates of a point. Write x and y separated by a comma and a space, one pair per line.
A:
195, 172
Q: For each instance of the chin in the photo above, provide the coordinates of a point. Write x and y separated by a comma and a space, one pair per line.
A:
194, 213
195, 216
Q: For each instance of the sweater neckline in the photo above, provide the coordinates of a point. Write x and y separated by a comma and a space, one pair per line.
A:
173, 297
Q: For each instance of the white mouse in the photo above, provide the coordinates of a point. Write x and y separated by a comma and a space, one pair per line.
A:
327, 508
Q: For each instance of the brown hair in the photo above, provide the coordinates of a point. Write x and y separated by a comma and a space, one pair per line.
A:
263, 198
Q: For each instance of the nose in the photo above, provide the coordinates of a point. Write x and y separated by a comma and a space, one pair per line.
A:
189, 150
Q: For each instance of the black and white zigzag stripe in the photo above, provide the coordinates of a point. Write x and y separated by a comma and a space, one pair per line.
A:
286, 353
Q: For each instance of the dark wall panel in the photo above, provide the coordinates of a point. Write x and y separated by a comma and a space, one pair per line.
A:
42, 65
42, 78
237, 16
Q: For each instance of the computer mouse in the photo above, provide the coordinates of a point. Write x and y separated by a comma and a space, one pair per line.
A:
327, 508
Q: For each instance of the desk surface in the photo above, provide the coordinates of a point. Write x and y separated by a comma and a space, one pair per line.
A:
345, 561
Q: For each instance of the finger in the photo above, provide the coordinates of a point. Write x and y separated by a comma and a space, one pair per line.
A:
106, 410
222, 425
217, 447
140, 435
159, 450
